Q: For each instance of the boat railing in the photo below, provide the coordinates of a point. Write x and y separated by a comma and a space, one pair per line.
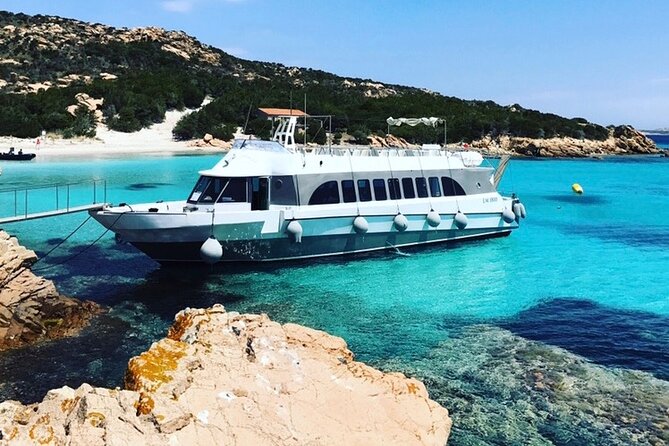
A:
378, 152
25, 203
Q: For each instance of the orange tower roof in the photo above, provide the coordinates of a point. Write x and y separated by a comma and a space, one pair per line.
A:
274, 112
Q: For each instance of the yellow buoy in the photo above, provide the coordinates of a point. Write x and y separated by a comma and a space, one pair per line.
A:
577, 188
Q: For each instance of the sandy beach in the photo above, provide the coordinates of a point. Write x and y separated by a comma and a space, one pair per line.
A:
156, 139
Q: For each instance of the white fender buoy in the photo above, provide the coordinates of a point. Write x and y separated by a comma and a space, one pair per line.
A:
360, 225
401, 223
460, 220
294, 228
508, 216
211, 251
523, 214
516, 210
433, 218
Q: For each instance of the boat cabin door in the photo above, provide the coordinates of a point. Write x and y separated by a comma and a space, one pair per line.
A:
259, 194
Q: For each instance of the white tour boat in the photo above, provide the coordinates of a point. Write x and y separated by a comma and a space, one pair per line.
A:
269, 200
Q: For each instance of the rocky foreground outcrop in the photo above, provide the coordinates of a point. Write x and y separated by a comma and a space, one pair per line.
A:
31, 309
227, 378
622, 140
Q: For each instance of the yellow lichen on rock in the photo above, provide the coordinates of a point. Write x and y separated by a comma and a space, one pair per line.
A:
68, 404
41, 432
182, 322
144, 404
152, 368
96, 419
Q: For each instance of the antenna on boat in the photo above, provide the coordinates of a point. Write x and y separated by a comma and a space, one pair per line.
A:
305, 121
330, 132
248, 115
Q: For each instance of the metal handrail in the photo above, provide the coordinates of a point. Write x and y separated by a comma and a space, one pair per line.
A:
23, 192
50, 185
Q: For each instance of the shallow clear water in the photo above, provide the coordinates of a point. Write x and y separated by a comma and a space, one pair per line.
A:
586, 274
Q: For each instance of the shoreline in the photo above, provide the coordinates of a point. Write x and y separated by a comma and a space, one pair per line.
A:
94, 148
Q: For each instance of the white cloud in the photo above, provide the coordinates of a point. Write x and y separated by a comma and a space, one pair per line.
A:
177, 5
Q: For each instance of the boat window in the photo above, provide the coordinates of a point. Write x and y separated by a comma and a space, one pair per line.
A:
435, 189
451, 187
326, 193
233, 190
394, 188
208, 189
282, 190
348, 191
200, 186
364, 191
407, 187
421, 187
379, 189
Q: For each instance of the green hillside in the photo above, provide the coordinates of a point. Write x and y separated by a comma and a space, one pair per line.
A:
45, 61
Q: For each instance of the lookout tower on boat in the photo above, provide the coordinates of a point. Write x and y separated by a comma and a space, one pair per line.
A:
284, 132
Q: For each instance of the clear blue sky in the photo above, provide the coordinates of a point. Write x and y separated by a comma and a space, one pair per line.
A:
606, 61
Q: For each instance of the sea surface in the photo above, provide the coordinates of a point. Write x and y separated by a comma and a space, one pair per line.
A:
558, 334
661, 141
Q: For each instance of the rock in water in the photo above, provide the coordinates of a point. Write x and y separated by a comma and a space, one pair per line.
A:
225, 378
31, 309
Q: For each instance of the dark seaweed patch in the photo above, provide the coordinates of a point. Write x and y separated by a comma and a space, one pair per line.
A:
143, 186
607, 336
576, 199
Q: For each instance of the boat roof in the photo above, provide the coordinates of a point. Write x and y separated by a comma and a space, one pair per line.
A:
258, 158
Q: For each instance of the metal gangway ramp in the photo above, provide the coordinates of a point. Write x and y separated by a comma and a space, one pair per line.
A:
29, 203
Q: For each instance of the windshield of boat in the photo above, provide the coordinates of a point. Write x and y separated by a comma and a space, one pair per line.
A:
260, 145
219, 190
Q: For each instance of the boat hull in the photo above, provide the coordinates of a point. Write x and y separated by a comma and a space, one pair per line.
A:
17, 157
259, 250
167, 234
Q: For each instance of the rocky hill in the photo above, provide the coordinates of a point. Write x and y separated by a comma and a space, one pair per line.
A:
48, 64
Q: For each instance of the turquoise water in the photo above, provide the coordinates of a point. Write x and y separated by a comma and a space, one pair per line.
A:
579, 293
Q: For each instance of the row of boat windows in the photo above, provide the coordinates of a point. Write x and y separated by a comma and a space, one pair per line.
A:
380, 190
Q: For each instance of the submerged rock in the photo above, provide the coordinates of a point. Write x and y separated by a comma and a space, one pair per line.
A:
31, 309
504, 389
226, 378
